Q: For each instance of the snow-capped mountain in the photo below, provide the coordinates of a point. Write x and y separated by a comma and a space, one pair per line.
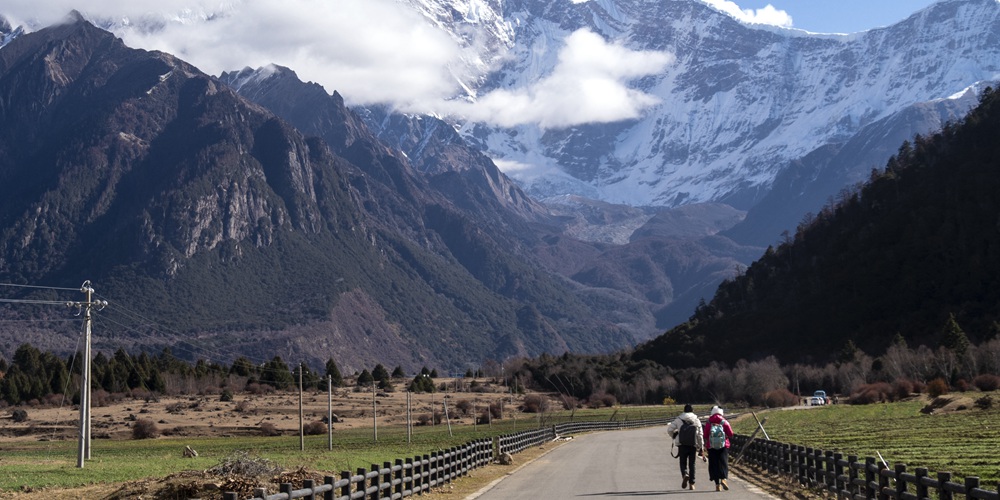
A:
737, 105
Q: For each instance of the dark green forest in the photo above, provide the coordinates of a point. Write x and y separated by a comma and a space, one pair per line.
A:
34, 377
916, 244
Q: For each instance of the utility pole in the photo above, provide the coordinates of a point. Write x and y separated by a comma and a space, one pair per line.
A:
302, 429
83, 452
329, 412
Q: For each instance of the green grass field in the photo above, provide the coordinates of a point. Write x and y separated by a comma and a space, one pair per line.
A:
50, 464
965, 443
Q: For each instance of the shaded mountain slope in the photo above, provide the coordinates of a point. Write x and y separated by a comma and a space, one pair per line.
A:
228, 230
919, 242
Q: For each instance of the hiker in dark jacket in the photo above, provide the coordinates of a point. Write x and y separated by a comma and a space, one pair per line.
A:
686, 432
717, 442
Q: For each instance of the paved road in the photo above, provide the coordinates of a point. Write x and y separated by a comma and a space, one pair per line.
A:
634, 463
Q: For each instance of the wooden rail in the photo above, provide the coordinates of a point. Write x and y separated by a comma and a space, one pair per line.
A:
853, 478
416, 475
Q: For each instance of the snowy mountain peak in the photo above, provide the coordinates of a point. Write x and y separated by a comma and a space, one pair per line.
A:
739, 102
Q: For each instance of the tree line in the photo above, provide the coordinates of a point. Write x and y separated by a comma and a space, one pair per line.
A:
43, 377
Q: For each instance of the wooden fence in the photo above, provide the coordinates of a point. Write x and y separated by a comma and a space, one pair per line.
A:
854, 478
418, 474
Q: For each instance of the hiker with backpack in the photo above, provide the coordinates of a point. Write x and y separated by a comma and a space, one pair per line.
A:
686, 432
716, 438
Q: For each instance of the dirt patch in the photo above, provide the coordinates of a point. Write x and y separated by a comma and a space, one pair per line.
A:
948, 404
247, 414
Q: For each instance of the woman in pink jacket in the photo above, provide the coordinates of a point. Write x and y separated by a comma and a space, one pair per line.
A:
717, 435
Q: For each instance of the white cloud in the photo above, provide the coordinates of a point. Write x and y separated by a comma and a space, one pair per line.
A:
371, 51
767, 15
588, 84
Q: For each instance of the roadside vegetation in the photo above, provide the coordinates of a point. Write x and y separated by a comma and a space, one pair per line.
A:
954, 433
34, 465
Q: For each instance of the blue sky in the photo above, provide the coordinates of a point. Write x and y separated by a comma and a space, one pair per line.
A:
839, 16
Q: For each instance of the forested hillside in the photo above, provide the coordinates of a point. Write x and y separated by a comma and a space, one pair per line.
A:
916, 244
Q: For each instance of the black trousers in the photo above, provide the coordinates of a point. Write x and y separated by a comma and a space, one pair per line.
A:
718, 464
686, 455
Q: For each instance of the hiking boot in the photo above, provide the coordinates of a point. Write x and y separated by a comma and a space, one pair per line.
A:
718, 487
684, 483
691, 486
725, 486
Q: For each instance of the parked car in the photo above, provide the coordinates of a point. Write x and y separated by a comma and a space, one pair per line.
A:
818, 398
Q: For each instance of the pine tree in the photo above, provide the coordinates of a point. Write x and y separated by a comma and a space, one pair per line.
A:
379, 373
365, 378
953, 338
333, 372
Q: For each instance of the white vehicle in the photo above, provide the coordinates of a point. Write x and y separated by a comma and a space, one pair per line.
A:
818, 398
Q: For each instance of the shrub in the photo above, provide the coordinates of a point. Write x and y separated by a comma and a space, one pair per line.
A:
268, 429
962, 385
145, 428
485, 417
424, 419
314, 428
986, 382
937, 387
872, 393
226, 395
601, 399
256, 388
534, 404
241, 464
568, 402
984, 403
902, 388
780, 398
464, 406
496, 410
19, 415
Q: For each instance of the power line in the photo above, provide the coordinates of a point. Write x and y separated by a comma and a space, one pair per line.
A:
41, 287
41, 302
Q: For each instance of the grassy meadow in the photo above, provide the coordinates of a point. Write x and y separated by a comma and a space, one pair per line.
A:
52, 464
964, 442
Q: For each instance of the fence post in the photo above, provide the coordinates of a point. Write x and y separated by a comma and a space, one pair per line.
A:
944, 477
387, 478
838, 474
800, 464
329, 493
345, 490
408, 480
900, 481
920, 488
285, 488
830, 472
883, 481
425, 473
971, 483
376, 482
870, 483
786, 458
398, 478
363, 484
310, 485
229, 495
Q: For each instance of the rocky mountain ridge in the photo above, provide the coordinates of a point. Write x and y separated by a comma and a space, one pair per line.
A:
233, 233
